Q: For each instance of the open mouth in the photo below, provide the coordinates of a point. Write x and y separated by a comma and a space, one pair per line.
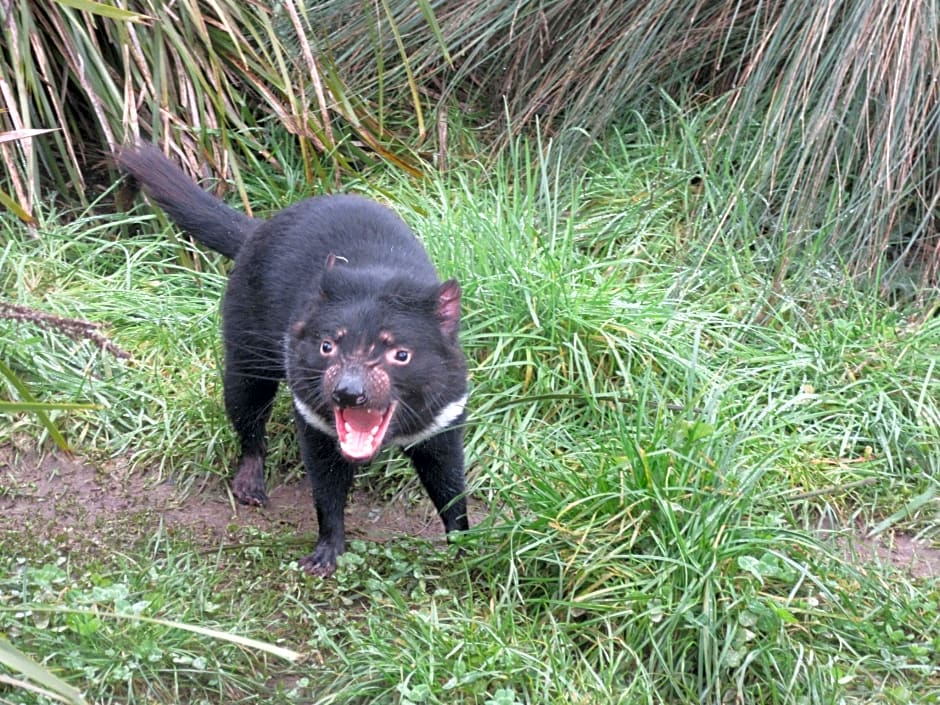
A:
361, 431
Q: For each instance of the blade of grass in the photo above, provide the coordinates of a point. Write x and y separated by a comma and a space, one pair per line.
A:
37, 408
52, 685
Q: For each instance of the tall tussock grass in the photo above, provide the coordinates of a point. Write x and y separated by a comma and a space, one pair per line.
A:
825, 114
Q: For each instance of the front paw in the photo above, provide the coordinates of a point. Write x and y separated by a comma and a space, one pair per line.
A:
322, 562
248, 483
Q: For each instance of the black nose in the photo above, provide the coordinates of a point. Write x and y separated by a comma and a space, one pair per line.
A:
350, 390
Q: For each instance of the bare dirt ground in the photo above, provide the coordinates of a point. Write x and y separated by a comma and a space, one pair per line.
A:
74, 503
77, 504
896, 549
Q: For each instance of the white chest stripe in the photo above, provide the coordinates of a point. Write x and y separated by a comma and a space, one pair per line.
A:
444, 418
312, 418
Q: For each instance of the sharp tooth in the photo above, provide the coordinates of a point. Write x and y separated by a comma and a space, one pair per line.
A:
375, 430
348, 427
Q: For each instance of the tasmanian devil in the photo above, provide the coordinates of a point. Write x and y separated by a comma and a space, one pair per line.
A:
335, 294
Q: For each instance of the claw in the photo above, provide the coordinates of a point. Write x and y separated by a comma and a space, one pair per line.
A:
248, 483
322, 562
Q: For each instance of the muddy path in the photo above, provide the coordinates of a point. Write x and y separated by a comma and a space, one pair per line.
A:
73, 502
76, 504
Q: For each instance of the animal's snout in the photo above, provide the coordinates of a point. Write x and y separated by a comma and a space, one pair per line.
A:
350, 389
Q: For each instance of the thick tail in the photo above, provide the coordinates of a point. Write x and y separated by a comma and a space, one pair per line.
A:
198, 212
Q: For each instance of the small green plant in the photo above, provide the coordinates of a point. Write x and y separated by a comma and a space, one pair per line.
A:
504, 696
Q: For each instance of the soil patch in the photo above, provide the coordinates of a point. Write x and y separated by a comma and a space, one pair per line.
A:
897, 550
73, 502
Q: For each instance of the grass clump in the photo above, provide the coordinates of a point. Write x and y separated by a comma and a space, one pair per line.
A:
151, 305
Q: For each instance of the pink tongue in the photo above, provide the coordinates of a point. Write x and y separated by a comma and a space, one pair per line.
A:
360, 432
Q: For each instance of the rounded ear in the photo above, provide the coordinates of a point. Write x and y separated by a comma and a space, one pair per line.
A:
448, 308
329, 281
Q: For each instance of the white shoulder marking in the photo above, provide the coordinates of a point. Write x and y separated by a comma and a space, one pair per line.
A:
445, 417
313, 418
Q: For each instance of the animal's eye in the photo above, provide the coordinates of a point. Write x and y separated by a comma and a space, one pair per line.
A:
327, 347
399, 356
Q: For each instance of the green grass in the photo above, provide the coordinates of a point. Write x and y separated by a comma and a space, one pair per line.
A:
661, 429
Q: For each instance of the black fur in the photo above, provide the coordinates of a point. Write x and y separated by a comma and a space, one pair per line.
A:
336, 295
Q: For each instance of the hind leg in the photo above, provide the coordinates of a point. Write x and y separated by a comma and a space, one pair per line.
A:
439, 464
248, 402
